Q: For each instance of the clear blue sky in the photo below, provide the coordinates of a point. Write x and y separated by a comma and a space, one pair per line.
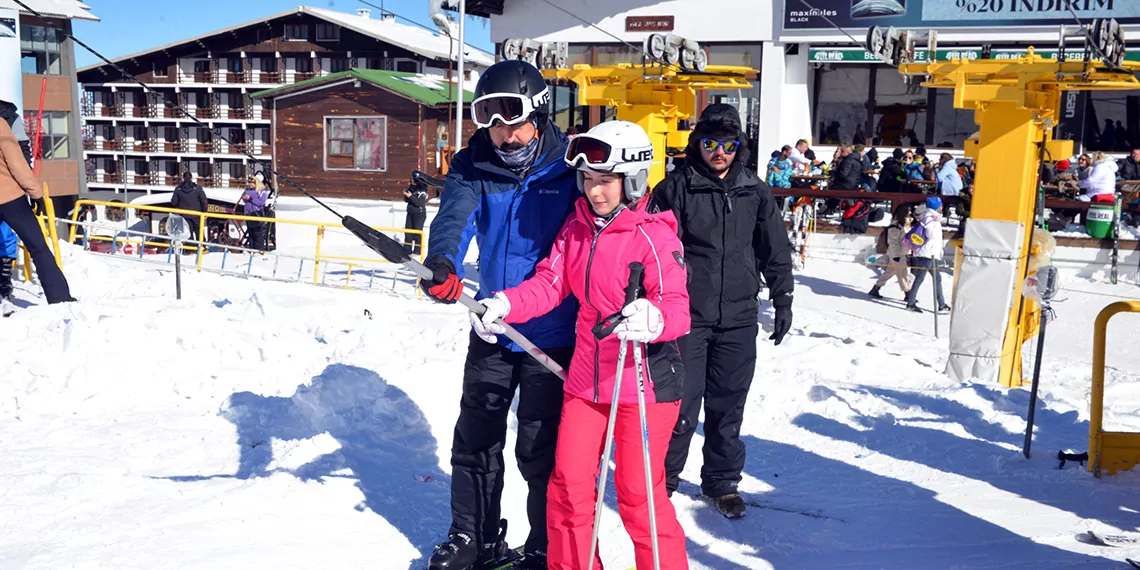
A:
130, 26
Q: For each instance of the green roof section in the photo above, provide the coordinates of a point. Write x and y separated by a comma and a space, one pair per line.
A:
427, 89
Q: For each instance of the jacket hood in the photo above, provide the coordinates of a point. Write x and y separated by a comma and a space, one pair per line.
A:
891, 161
1107, 162
8, 112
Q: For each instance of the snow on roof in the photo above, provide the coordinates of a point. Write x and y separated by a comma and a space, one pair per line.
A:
412, 38
69, 9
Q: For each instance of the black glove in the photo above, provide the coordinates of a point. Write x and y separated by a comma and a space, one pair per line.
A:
39, 208
445, 286
783, 324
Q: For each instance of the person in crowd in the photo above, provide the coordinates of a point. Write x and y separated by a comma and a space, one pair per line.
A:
511, 190
896, 254
8, 251
913, 172
873, 152
1084, 167
1129, 167
733, 233
848, 171
1100, 186
798, 157
929, 255
949, 181
608, 230
19, 189
416, 197
866, 167
253, 202
1108, 136
190, 196
891, 175
780, 169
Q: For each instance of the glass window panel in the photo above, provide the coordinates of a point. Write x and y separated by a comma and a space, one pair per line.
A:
39, 35
951, 126
577, 54
611, 55
53, 38
340, 129
900, 109
26, 37
1113, 121
370, 148
28, 64
334, 147
53, 64
841, 109
59, 148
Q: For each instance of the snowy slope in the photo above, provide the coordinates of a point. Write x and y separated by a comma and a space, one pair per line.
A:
269, 425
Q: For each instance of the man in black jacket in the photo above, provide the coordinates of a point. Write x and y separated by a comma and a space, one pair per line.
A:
890, 177
189, 196
416, 197
849, 171
1130, 166
732, 230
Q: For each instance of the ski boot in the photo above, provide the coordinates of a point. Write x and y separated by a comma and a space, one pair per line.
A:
532, 561
497, 555
730, 505
874, 294
459, 553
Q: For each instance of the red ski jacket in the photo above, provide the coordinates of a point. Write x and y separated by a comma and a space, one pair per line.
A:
591, 260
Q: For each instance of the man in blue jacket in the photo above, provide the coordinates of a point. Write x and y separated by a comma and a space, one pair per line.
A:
511, 190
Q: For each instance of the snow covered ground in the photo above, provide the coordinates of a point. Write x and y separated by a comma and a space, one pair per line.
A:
259, 424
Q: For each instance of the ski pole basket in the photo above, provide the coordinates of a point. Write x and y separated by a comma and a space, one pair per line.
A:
1109, 452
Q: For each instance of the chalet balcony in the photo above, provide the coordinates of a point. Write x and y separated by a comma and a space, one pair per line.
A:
105, 178
299, 76
131, 111
239, 113
163, 179
271, 77
204, 112
193, 147
239, 77
133, 146
231, 182
109, 111
101, 145
222, 147
161, 146
158, 112
202, 77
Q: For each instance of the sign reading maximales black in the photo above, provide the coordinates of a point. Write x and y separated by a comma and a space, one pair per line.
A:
920, 14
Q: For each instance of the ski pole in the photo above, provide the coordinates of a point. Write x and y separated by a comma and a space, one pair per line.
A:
1036, 378
395, 252
636, 272
638, 365
936, 283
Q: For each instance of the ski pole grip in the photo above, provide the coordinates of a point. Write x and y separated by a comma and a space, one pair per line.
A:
608, 324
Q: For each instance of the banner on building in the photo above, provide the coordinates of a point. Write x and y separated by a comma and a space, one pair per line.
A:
920, 14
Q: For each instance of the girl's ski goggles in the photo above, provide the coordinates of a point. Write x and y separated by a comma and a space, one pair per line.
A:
598, 154
710, 146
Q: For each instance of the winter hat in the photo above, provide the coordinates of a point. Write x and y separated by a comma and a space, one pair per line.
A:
1063, 165
934, 202
898, 154
187, 177
718, 121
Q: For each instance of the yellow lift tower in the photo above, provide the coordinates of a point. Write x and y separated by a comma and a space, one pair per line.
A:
655, 94
1016, 104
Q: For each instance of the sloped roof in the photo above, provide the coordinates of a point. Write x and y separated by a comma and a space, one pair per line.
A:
411, 38
427, 89
69, 9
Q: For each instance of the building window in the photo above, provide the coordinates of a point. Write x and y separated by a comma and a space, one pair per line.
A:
39, 50
161, 70
338, 64
54, 141
269, 64
951, 126
304, 65
202, 66
236, 65
296, 32
356, 143
841, 107
408, 66
328, 32
900, 111
1111, 121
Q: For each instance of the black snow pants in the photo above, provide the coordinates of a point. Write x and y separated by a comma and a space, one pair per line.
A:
19, 216
490, 377
719, 365
414, 221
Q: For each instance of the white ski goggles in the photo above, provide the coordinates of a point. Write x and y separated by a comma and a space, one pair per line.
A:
601, 156
509, 108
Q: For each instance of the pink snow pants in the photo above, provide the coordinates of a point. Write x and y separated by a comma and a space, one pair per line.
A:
573, 485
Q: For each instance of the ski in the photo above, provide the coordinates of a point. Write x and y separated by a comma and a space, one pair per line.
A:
1115, 236
755, 504
1132, 562
1112, 539
508, 561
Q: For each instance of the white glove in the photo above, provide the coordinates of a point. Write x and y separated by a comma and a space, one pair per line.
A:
643, 322
485, 326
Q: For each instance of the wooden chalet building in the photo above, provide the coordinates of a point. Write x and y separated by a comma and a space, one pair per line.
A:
134, 144
360, 133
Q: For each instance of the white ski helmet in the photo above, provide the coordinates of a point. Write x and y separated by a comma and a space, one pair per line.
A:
619, 147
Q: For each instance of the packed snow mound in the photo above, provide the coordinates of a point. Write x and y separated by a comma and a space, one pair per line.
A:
271, 425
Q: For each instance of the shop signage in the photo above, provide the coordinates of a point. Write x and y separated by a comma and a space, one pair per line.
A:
925, 14
856, 55
649, 23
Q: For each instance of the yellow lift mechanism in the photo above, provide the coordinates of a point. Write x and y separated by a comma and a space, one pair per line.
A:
653, 96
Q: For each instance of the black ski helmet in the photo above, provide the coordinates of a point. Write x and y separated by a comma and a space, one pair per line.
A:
516, 77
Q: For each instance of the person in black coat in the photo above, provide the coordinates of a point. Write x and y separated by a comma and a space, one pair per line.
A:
1129, 168
848, 173
416, 197
890, 177
733, 233
189, 196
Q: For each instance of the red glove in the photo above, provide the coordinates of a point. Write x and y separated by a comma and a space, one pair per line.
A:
445, 286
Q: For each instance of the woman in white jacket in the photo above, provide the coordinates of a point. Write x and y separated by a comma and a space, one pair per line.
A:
896, 253
1100, 186
926, 258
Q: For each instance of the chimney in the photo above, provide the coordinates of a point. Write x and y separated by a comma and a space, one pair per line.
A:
364, 12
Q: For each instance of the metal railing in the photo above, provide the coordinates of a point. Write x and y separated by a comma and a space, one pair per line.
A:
1108, 451
321, 261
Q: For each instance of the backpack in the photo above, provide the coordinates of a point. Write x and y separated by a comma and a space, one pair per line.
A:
881, 245
859, 209
915, 238
876, 215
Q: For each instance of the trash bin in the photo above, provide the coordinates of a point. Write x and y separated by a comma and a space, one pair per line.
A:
1098, 221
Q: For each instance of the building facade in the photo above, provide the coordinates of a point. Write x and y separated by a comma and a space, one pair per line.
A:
135, 143
826, 88
49, 75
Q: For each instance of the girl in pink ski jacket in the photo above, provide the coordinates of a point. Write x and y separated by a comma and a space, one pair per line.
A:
590, 260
